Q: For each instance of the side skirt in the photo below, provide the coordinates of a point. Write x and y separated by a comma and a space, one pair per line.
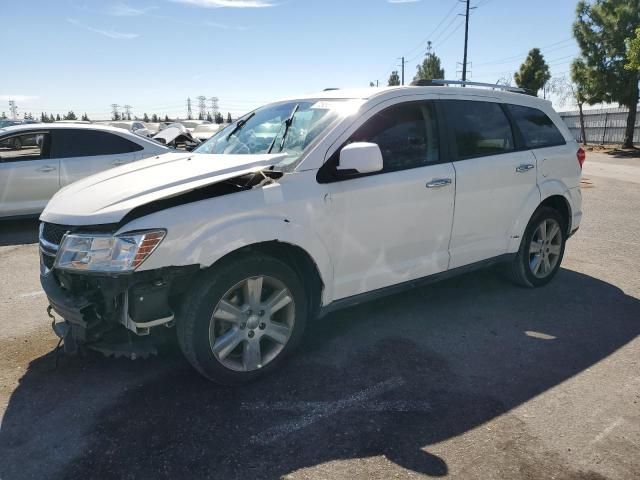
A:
420, 282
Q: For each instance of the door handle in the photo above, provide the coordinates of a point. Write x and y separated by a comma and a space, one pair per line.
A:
439, 183
524, 168
46, 169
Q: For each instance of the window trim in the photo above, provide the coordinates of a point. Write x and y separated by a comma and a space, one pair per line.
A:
329, 174
521, 135
46, 147
451, 141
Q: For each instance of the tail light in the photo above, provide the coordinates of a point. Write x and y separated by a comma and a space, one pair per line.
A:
582, 156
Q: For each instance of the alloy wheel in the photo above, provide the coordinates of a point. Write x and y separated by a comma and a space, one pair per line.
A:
545, 248
252, 323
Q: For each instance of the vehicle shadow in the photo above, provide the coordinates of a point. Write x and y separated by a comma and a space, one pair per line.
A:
386, 378
18, 232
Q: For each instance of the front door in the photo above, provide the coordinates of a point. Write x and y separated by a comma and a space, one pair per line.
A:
28, 177
392, 226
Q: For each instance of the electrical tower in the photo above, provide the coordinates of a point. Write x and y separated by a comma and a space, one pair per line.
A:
127, 109
202, 107
114, 111
214, 107
189, 113
13, 108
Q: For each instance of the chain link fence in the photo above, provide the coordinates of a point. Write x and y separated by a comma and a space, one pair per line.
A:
602, 126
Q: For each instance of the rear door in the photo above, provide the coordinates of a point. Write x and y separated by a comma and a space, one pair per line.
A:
28, 176
83, 152
493, 179
392, 226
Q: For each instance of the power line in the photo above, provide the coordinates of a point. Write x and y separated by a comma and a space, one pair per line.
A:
428, 37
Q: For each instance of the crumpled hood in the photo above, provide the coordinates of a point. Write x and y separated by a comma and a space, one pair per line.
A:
108, 196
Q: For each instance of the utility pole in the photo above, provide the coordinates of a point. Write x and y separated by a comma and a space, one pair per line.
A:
189, 114
13, 108
402, 65
466, 42
127, 109
114, 111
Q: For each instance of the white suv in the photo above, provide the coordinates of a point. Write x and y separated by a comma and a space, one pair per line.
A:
305, 206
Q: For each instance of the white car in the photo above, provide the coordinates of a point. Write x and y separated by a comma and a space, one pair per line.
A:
358, 194
205, 131
133, 126
191, 125
36, 160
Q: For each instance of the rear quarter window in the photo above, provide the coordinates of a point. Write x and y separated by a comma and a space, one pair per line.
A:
537, 129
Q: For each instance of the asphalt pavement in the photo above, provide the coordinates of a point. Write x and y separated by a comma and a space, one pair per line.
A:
469, 378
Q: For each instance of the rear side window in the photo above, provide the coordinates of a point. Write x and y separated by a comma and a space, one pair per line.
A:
407, 135
479, 128
87, 143
537, 129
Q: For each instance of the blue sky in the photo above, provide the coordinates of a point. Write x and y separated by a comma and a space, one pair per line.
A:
153, 54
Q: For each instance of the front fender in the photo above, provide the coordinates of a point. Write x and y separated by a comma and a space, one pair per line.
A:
205, 244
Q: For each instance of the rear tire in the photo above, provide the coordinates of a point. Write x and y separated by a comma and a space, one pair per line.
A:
541, 249
243, 318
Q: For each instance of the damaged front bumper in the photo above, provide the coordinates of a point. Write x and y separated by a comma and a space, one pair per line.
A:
109, 312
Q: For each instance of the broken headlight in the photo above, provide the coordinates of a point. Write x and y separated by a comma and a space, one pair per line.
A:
107, 253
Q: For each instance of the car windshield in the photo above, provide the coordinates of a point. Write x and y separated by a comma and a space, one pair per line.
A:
262, 130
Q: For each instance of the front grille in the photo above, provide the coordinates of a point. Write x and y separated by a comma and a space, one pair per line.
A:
53, 233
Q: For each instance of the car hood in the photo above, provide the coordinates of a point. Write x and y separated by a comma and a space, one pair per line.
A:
108, 196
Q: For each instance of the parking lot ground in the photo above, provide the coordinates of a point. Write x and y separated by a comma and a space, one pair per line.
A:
468, 378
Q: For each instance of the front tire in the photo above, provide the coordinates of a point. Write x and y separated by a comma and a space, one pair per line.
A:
541, 250
243, 319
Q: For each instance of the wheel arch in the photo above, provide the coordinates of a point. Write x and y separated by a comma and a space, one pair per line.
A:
295, 257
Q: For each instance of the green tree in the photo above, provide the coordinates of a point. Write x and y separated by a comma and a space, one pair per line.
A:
58, 117
85, 117
219, 118
43, 117
533, 73
603, 30
70, 116
3, 116
229, 119
154, 118
51, 118
633, 52
145, 118
430, 68
394, 79
166, 118
209, 118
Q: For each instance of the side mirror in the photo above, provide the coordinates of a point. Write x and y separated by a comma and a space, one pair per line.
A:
361, 157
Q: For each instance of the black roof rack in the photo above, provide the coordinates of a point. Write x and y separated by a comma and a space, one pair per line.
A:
443, 83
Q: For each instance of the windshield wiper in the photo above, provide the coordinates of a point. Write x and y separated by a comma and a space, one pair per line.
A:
239, 125
287, 125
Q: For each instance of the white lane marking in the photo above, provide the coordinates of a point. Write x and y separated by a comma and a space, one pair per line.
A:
607, 430
32, 294
319, 410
